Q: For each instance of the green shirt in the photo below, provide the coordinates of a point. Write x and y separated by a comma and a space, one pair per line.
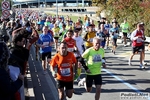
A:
94, 60
125, 27
63, 34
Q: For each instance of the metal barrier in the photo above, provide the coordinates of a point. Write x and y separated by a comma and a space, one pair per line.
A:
73, 10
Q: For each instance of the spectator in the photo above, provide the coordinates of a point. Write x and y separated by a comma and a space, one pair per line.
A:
7, 88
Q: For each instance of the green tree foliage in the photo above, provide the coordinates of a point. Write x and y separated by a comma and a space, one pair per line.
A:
134, 10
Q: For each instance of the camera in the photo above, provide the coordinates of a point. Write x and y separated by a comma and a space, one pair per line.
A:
4, 38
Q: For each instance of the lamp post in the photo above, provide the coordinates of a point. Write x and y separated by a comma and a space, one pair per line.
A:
45, 3
20, 8
39, 8
56, 9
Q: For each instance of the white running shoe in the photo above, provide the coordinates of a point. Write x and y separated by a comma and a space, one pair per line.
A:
142, 67
125, 45
144, 63
81, 82
129, 63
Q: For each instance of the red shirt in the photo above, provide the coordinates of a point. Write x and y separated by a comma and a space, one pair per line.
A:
137, 42
70, 42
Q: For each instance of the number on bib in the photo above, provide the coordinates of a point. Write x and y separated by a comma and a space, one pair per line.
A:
65, 72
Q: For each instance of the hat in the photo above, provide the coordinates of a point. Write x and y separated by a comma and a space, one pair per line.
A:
142, 23
4, 54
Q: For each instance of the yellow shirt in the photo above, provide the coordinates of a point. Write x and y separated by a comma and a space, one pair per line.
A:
56, 31
90, 36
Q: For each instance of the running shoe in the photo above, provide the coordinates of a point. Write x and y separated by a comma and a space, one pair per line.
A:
81, 82
114, 52
144, 63
125, 45
142, 67
129, 62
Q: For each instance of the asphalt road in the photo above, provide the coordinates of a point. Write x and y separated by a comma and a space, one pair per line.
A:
117, 78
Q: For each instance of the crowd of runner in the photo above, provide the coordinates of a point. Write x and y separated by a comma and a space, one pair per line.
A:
77, 44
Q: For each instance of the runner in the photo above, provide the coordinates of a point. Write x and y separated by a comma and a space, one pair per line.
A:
56, 30
102, 35
137, 38
107, 26
81, 48
45, 43
95, 59
89, 37
36, 47
63, 32
64, 62
71, 43
114, 35
125, 29
143, 29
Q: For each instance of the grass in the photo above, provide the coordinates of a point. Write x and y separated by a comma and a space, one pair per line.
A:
74, 18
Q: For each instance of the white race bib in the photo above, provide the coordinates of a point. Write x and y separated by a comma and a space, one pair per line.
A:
65, 72
70, 49
97, 58
91, 40
56, 35
139, 40
46, 44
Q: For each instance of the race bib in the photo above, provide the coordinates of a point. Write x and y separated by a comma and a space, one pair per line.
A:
91, 40
139, 40
97, 58
125, 28
46, 44
65, 72
70, 49
56, 35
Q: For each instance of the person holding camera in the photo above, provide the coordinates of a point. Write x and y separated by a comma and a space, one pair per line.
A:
8, 88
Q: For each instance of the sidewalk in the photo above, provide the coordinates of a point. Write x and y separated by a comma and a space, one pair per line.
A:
37, 85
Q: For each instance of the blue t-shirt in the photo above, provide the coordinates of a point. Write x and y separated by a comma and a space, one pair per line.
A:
114, 32
45, 39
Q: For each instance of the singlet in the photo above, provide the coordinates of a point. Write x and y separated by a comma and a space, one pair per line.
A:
70, 43
138, 42
65, 66
56, 31
94, 60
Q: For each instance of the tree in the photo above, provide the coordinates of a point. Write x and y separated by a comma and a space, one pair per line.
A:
134, 10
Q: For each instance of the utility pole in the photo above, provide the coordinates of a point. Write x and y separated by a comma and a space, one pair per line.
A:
56, 9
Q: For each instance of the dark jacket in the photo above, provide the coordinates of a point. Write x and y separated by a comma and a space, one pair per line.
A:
8, 88
20, 55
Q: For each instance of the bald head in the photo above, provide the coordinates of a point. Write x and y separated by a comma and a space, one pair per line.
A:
96, 43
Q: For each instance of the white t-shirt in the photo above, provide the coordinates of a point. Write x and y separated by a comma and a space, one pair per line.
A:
79, 43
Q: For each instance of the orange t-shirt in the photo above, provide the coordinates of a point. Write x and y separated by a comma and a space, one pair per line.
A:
65, 68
